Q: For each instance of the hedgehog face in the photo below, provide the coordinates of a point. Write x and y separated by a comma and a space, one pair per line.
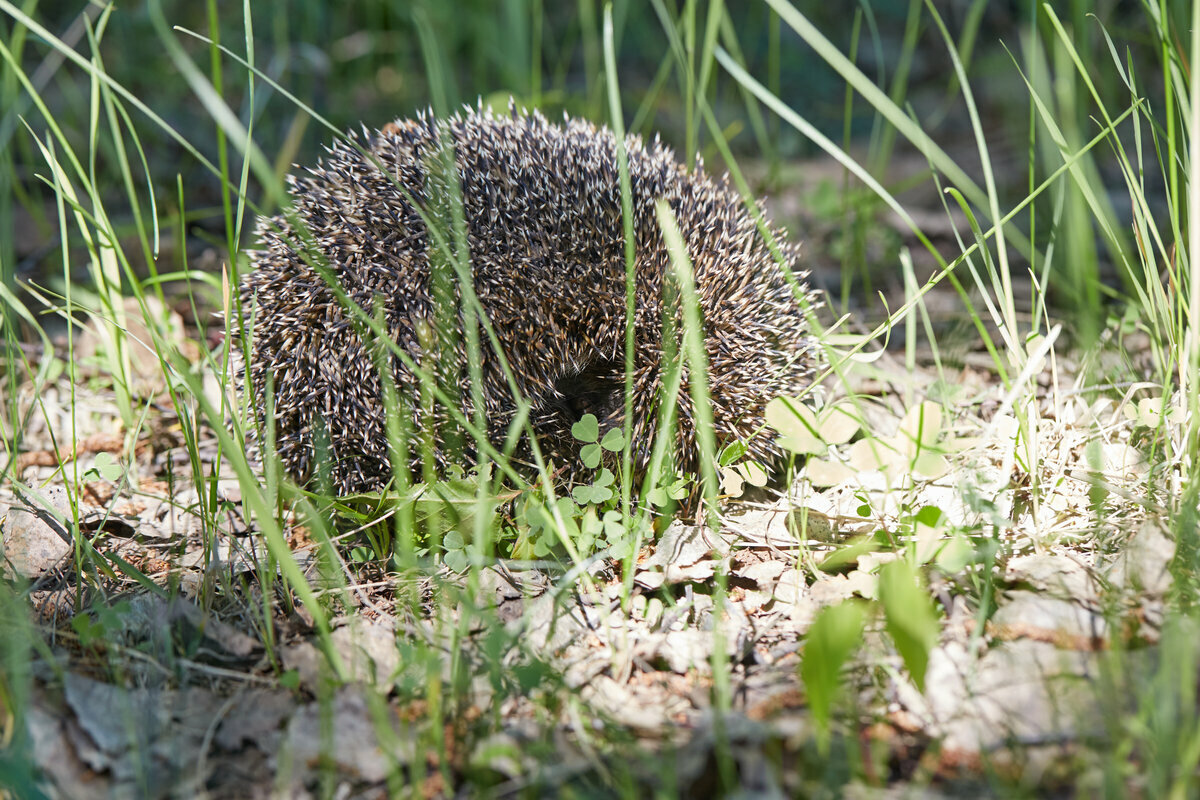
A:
598, 389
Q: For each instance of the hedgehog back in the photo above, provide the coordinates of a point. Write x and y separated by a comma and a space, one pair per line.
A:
542, 208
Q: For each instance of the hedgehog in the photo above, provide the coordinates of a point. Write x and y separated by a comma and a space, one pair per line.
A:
542, 212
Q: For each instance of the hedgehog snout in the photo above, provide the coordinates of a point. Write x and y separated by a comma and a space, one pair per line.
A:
596, 389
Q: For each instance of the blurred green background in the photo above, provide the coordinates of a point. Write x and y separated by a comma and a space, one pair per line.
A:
365, 63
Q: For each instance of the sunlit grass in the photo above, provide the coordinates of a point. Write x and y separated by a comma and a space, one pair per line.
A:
1053, 235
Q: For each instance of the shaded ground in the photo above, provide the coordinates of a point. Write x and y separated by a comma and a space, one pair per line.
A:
531, 680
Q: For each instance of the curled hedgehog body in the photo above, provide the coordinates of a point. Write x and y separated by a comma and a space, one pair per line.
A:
542, 210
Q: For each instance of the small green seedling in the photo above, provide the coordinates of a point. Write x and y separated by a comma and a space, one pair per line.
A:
107, 467
912, 621
806, 432
587, 430
835, 635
